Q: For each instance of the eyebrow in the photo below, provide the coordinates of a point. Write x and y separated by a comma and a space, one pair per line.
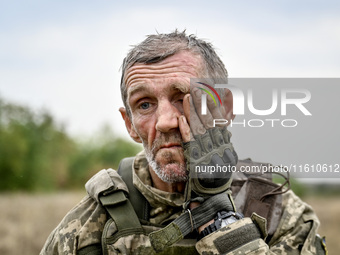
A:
145, 88
180, 87
136, 89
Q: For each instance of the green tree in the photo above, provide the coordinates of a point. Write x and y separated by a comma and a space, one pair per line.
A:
33, 149
104, 150
37, 154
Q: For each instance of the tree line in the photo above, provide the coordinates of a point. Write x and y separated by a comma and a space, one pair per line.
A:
36, 153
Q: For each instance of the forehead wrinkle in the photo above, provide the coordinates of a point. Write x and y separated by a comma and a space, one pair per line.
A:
146, 72
152, 69
157, 65
138, 77
168, 64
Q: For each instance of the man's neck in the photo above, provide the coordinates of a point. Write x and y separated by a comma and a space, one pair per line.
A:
165, 186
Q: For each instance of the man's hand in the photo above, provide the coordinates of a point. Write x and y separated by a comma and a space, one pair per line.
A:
204, 146
207, 149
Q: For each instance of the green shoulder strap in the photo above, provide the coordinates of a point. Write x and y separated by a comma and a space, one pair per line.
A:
120, 209
122, 213
138, 201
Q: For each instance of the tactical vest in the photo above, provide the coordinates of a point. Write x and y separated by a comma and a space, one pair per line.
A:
129, 213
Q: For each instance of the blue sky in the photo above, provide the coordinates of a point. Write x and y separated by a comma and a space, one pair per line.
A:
65, 55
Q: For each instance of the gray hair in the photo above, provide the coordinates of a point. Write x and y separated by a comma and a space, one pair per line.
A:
156, 48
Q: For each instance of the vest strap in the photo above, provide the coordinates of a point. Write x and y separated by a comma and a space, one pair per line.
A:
120, 210
138, 201
94, 249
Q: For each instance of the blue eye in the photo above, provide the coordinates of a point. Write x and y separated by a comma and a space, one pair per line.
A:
145, 105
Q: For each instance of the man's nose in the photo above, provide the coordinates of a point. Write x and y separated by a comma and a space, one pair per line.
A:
167, 117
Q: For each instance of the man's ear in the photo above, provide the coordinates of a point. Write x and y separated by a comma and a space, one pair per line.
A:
129, 126
228, 106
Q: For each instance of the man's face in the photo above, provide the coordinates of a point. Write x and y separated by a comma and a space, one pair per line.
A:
155, 96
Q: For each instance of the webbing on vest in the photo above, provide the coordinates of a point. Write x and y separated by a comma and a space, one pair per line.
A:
182, 225
93, 249
126, 210
138, 201
120, 210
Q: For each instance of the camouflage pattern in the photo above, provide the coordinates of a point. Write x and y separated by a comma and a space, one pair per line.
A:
208, 243
165, 206
105, 180
81, 227
84, 224
295, 234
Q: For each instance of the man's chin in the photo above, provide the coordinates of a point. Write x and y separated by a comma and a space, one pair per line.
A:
171, 172
169, 164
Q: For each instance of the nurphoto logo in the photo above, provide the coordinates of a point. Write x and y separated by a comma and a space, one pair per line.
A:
280, 99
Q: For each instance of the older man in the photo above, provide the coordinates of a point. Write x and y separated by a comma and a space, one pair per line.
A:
161, 204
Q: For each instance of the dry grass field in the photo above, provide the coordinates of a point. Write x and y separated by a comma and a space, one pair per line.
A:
27, 219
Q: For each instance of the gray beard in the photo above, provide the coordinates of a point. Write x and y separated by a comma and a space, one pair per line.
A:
161, 173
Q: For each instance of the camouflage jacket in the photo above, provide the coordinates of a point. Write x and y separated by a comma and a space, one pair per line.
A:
294, 233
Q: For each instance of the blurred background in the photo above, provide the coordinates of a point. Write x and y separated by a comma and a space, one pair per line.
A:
59, 93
